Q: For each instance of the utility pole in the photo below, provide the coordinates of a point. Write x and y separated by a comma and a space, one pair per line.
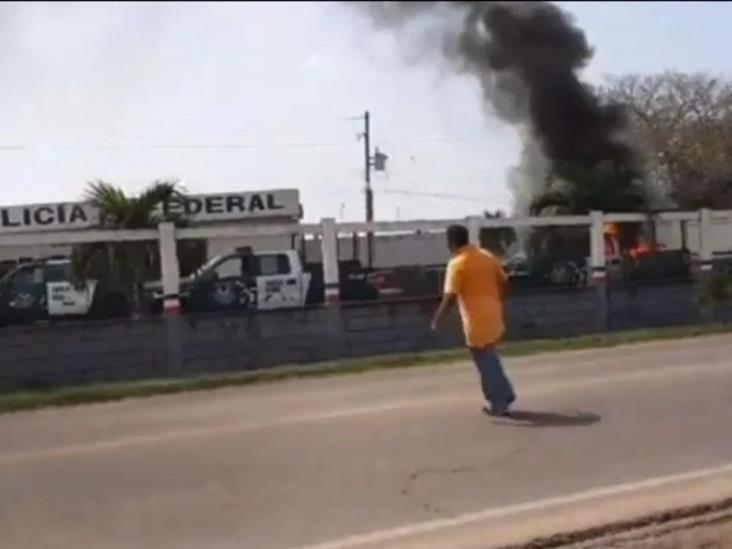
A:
369, 191
377, 161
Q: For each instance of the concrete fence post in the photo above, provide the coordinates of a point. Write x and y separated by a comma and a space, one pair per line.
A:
169, 268
170, 274
334, 322
598, 267
474, 224
706, 251
706, 257
329, 249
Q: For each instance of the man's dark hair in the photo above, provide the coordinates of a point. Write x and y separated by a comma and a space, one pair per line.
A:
457, 236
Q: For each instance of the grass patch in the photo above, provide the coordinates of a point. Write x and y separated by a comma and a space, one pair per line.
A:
70, 396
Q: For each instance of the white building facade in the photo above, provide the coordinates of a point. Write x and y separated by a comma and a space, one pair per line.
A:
282, 208
276, 207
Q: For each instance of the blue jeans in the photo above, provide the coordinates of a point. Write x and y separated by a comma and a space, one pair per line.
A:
496, 386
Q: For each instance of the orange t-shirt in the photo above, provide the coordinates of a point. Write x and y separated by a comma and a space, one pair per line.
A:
477, 278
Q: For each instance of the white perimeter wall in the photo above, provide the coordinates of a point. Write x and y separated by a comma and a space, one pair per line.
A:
398, 249
388, 250
669, 233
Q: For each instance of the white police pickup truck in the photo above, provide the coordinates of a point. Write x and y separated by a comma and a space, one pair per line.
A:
243, 279
42, 290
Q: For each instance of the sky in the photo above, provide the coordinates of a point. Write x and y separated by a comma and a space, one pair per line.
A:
237, 97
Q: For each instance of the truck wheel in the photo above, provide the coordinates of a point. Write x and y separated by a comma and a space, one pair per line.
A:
560, 274
245, 299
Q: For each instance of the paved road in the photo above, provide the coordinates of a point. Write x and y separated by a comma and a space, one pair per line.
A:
302, 463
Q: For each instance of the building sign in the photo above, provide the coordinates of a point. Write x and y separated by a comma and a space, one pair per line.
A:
283, 204
235, 206
47, 217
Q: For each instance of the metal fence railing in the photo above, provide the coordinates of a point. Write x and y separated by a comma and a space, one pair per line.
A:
312, 264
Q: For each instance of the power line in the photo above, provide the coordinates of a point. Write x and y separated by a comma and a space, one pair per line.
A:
415, 176
446, 196
205, 146
217, 146
438, 141
180, 146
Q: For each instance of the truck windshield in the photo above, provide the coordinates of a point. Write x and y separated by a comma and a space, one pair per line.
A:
5, 277
58, 272
210, 264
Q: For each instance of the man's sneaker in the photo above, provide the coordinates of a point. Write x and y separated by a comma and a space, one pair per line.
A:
496, 413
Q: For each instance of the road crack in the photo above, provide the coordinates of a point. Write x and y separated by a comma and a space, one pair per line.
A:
408, 489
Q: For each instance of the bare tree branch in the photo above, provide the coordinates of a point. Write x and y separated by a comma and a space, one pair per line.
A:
683, 125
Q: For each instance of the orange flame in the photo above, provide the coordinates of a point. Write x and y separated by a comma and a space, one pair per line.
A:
641, 249
612, 229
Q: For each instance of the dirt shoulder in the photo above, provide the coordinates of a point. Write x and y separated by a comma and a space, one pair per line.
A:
705, 526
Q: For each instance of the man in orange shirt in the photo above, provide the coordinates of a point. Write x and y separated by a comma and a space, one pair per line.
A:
476, 279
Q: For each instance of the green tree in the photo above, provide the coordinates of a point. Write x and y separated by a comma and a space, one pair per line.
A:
715, 295
604, 188
124, 265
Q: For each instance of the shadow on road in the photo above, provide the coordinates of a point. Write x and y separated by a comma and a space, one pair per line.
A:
536, 419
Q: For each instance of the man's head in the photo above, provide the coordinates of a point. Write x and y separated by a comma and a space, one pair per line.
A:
457, 237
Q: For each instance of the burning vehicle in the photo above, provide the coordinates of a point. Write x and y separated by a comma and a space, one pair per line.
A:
561, 258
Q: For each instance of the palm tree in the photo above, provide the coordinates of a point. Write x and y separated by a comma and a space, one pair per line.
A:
124, 265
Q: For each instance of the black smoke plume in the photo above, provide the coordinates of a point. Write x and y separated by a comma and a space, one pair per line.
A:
527, 56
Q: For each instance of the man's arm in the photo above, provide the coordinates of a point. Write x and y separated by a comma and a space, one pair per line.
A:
502, 280
445, 304
449, 294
